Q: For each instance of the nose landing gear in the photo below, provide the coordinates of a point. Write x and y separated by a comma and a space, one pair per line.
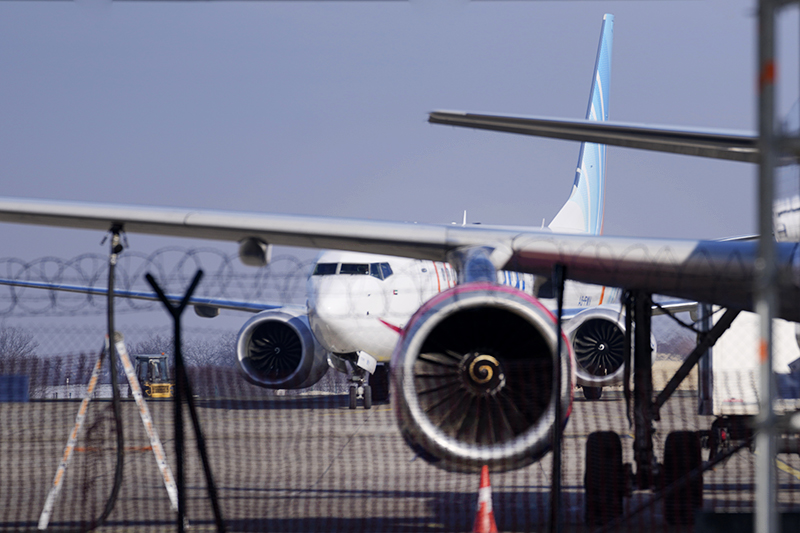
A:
360, 392
359, 389
362, 365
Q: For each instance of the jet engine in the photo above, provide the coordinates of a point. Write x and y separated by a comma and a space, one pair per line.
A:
277, 350
598, 341
473, 378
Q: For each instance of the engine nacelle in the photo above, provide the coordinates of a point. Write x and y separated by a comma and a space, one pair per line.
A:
277, 350
472, 378
597, 336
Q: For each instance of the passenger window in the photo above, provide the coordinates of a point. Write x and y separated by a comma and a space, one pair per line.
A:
386, 270
325, 269
354, 268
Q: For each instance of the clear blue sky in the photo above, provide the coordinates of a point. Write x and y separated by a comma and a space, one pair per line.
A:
320, 107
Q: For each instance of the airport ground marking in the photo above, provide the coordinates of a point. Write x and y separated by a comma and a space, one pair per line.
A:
341, 451
786, 468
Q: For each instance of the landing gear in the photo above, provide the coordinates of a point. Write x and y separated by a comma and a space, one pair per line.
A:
682, 455
592, 393
367, 397
359, 390
363, 392
353, 396
604, 479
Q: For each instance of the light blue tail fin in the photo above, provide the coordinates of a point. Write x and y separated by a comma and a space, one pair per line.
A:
583, 212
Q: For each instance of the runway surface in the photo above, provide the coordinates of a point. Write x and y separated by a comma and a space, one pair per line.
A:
307, 463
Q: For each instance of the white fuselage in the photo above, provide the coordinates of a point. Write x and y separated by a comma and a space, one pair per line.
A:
359, 302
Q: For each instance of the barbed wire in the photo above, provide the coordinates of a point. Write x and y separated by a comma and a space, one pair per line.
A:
282, 281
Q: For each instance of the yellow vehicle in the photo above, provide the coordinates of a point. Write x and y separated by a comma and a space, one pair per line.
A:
151, 371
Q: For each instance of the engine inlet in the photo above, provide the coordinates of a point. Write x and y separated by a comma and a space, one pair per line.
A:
474, 378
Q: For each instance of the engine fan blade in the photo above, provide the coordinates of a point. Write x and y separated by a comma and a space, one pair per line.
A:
477, 397
599, 347
275, 350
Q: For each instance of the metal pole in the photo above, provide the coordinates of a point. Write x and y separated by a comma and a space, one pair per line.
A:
765, 289
556, 516
643, 391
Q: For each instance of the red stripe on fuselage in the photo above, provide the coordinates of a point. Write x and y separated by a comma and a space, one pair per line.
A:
394, 328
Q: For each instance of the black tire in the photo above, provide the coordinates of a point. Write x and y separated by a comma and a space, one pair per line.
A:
353, 397
604, 478
379, 381
592, 393
367, 397
682, 454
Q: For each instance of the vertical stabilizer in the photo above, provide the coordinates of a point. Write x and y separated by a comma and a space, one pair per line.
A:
583, 212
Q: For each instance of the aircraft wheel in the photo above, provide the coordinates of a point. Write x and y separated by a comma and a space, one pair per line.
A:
353, 397
592, 393
603, 479
367, 397
682, 454
379, 381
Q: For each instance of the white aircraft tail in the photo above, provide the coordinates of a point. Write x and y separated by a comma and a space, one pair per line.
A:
583, 212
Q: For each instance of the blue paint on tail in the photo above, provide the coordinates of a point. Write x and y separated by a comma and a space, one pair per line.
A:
583, 212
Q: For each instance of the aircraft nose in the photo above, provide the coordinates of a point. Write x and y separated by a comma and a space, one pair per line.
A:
327, 297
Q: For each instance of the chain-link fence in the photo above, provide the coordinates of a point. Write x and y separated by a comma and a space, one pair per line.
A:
303, 460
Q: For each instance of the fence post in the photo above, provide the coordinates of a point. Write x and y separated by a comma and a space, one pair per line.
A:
183, 390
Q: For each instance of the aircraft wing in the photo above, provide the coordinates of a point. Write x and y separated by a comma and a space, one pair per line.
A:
422, 241
719, 144
704, 271
197, 301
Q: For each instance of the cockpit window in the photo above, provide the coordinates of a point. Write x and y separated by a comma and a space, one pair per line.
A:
386, 270
375, 270
354, 268
325, 269
380, 270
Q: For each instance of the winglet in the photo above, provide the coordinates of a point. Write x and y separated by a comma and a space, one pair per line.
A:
583, 212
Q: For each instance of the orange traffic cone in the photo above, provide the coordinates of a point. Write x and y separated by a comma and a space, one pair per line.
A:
484, 520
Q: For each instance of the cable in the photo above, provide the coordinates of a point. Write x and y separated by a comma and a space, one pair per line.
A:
116, 248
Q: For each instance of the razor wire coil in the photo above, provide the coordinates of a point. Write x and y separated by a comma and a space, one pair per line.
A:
283, 280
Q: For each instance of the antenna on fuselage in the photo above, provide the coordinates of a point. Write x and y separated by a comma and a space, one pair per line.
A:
464, 220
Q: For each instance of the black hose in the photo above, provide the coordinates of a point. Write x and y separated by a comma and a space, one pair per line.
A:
116, 248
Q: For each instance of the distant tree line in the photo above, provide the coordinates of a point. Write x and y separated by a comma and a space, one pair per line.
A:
211, 365
219, 351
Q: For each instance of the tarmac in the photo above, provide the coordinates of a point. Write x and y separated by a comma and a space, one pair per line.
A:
308, 463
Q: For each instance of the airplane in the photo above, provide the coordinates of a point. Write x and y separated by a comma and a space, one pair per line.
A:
472, 370
358, 303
